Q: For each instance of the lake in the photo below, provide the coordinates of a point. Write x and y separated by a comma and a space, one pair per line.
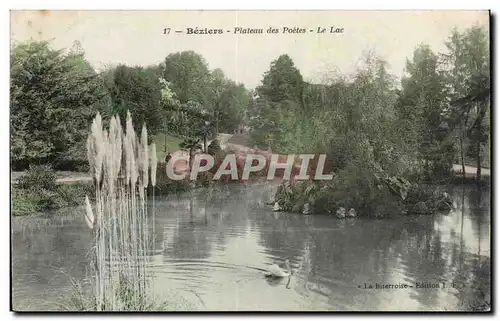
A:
213, 245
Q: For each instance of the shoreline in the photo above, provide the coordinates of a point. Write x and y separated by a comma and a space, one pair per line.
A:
68, 177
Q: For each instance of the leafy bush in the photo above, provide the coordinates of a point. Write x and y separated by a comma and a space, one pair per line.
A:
30, 201
293, 196
38, 176
355, 186
74, 194
23, 202
38, 199
215, 149
38, 191
37, 72
166, 187
426, 199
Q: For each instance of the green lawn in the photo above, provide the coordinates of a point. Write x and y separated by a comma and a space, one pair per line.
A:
172, 143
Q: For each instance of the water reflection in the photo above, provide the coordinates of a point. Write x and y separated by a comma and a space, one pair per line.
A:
214, 243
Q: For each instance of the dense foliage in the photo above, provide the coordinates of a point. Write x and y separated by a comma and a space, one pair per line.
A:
53, 97
193, 94
138, 90
372, 127
37, 191
55, 94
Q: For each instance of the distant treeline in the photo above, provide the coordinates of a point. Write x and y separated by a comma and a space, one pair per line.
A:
388, 142
56, 93
436, 115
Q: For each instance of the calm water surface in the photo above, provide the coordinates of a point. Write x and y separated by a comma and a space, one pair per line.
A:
211, 247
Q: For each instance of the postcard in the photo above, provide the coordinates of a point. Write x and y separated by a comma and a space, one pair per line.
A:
202, 160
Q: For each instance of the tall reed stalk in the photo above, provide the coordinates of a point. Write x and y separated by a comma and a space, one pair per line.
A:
120, 163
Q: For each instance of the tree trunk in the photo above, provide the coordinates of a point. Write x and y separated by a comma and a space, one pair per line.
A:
462, 157
217, 125
165, 141
478, 156
463, 135
479, 121
190, 166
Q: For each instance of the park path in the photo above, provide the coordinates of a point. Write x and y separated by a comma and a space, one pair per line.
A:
239, 143
64, 177
470, 171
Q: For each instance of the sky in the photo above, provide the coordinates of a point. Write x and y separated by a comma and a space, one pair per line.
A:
136, 37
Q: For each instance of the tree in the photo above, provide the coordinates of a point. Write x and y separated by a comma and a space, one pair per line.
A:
54, 96
188, 74
191, 145
280, 94
203, 93
467, 62
421, 106
138, 90
479, 96
225, 102
175, 119
282, 82
215, 93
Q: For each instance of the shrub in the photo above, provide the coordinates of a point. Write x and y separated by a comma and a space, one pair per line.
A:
30, 201
23, 202
293, 196
165, 185
38, 199
215, 149
427, 199
168, 186
74, 194
38, 176
352, 187
47, 200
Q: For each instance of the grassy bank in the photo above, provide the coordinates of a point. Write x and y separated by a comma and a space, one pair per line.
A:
36, 200
38, 191
166, 144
